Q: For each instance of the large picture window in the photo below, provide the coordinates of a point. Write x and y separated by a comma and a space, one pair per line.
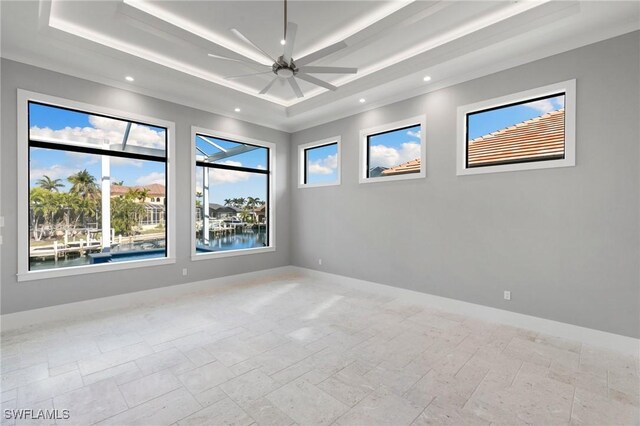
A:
393, 151
527, 130
319, 163
96, 188
232, 193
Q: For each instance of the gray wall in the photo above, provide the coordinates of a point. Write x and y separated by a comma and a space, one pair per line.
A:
565, 241
19, 296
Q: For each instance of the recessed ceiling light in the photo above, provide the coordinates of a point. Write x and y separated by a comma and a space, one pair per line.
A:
427, 78
237, 110
362, 100
129, 78
283, 42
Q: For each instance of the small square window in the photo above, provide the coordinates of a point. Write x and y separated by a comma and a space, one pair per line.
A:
527, 130
394, 151
319, 163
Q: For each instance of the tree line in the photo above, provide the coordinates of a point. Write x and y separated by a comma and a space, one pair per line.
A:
73, 211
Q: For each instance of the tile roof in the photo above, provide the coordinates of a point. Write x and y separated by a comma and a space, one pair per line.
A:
412, 166
154, 189
539, 138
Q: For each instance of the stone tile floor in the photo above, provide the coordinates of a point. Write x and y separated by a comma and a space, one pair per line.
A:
306, 351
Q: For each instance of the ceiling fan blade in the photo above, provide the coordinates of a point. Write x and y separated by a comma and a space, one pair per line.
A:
246, 40
316, 81
319, 54
247, 61
233, 77
268, 86
292, 29
296, 89
328, 70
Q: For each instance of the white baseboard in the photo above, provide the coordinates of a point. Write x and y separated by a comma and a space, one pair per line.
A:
67, 311
611, 341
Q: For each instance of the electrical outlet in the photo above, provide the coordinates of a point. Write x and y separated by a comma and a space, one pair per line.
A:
319, 261
507, 295
184, 272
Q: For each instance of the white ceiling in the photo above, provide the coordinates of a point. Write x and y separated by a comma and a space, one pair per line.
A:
394, 44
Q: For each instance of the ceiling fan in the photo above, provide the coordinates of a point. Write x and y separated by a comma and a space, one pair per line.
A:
284, 67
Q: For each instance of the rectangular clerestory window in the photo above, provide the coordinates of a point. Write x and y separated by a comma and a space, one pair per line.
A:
534, 129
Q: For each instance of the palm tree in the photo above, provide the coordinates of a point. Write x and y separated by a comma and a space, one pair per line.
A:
228, 201
83, 184
50, 184
139, 194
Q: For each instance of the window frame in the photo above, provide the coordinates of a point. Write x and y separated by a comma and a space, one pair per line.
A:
271, 208
24, 274
567, 87
302, 161
365, 134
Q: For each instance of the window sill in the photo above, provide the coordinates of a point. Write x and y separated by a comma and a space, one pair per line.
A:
90, 269
420, 175
533, 165
317, 185
231, 253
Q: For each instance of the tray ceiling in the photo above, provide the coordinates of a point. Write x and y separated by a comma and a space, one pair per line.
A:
165, 45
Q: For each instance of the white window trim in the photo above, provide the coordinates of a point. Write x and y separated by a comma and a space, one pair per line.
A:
301, 161
569, 160
24, 274
270, 202
418, 120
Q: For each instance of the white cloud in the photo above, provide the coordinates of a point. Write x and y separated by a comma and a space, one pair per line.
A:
547, 105
324, 166
56, 171
413, 134
385, 156
104, 129
153, 177
221, 176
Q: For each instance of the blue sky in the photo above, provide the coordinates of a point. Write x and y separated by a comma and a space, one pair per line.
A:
394, 148
62, 124
322, 164
483, 123
225, 184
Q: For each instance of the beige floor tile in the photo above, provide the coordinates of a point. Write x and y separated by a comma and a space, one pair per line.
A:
113, 358
223, 412
202, 378
49, 388
249, 387
447, 415
593, 409
91, 404
164, 410
381, 407
149, 387
162, 360
307, 404
122, 373
266, 414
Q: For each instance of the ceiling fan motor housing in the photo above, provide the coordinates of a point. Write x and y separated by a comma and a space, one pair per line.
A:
283, 69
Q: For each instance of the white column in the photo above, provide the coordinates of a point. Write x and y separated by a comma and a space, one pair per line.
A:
106, 200
205, 205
